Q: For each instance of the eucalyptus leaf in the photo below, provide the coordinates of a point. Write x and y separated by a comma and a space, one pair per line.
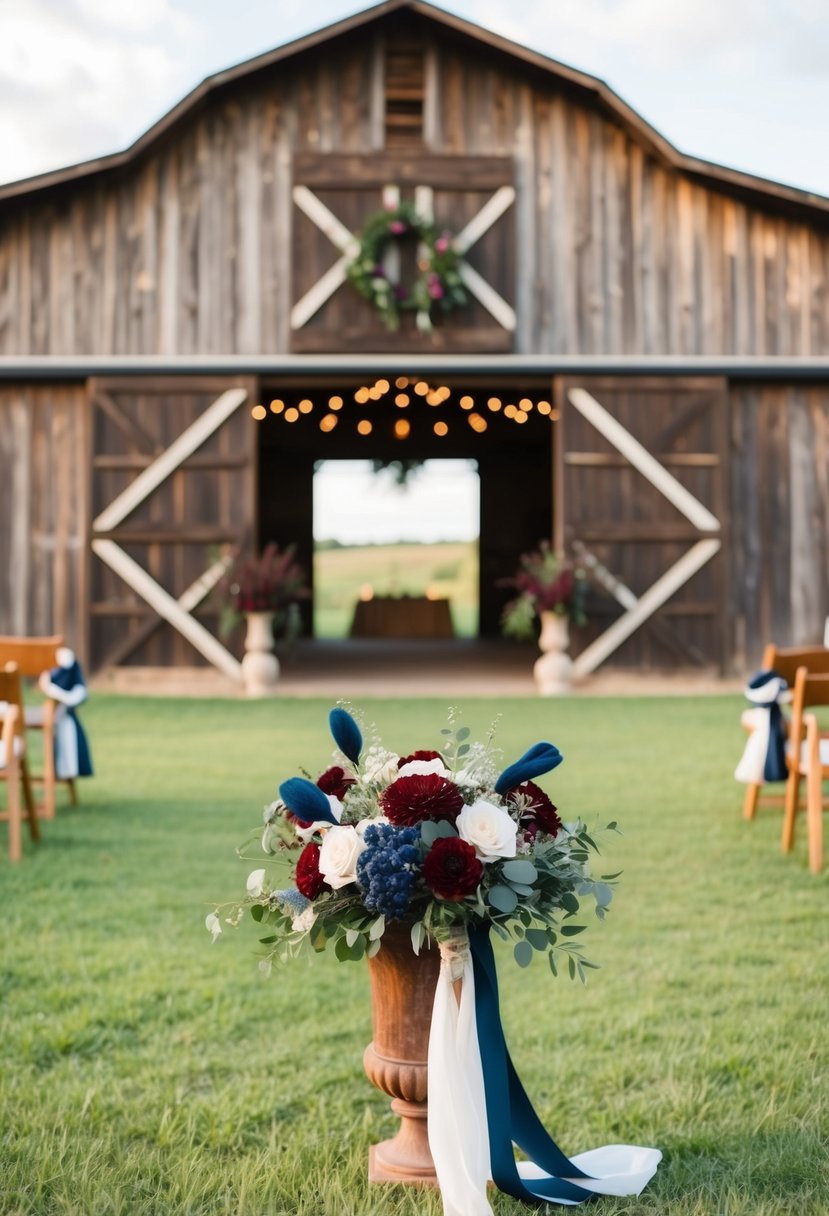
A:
538, 939
571, 967
257, 912
503, 898
523, 953
377, 928
430, 831
521, 888
351, 936
571, 930
520, 870
462, 734
373, 948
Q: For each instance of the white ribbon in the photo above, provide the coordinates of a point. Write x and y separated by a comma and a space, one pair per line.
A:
458, 1132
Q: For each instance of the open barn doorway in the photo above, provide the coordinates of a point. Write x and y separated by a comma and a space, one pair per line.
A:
396, 548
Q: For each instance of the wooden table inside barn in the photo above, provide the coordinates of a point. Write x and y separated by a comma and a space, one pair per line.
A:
402, 616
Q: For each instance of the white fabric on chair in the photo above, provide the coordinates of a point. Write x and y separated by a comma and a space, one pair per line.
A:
18, 750
804, 755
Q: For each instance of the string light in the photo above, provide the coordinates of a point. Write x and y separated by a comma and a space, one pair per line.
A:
382, 386
555, 415
291, 414
466, 403
402, 428
258, 412
441, 429
402, 399
494, 403
328, 422
521, 415
402, 382
544, 407
364, 427
277, 406
525, 404
432, 398
421, 388
477, 423
305, 406
510, 411
361, 396
335, 403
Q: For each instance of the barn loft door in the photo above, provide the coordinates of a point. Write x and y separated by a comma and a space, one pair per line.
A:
173, 480
471, 197
642, 487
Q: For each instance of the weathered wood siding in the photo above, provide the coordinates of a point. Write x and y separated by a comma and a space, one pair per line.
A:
44, 509
190, 251
779, 548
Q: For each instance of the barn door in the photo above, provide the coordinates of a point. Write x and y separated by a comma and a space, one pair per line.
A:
642, 488
173, 480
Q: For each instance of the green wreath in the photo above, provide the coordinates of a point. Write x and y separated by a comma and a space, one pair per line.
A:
438, 284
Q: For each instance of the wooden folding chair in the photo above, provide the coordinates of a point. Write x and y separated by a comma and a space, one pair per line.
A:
34, 656
785, 661
807, 758
13, 761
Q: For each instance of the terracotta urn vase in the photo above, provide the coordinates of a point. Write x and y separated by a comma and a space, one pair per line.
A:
260, 666
553, 670
402, 994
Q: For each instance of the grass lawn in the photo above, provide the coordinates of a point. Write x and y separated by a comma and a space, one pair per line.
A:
146, 1072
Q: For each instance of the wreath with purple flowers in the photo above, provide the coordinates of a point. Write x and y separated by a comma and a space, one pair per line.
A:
438, 283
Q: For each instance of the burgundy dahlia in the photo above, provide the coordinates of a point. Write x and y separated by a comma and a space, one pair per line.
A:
451, 868
335, 781
410, 800
309, 881
541, 816
421, 755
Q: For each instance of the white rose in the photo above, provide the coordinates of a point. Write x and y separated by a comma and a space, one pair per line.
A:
213, 925
305, 834
489, 829
304, 921
381, 770
422, 768
338, 856
256, 883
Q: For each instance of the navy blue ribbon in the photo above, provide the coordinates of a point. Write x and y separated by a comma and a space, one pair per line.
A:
510, 1114
774, 768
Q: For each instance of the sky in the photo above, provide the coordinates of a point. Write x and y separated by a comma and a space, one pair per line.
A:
743, 83
352, 504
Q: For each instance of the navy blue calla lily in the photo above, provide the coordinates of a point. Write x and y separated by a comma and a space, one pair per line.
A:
346, 733
306, 801
540, 758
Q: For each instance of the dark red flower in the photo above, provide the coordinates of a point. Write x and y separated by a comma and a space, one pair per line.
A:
419, 756
451, 868
410, 800
309, 881
541, 816
300, 823
335, 781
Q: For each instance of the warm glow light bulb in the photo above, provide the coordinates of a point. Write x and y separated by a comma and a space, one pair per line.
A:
328, 422
335, 403
361, 396
305, 406
494, 404
510, 411
466, 403
291, 414
277, 406
258, 412
401, 382
421, 388
364, 427
402, 428
402, 399
440, 428
544, 407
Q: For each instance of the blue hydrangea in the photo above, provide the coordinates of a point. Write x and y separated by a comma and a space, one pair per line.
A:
388, 868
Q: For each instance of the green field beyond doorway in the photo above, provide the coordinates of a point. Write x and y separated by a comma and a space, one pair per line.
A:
378, 540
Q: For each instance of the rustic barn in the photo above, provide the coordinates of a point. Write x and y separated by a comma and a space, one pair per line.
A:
640, 366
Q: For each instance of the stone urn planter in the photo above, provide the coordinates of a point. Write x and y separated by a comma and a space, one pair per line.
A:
402, 994
553, 671
260, 666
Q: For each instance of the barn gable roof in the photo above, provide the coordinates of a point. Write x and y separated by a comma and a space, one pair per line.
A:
753, 189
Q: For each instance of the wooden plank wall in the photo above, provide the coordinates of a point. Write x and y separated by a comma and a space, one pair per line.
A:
44, 509
190, 250
780, 518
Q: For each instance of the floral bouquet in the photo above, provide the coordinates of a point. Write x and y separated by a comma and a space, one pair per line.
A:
545, 582
437, 839
271, 581
440, 841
